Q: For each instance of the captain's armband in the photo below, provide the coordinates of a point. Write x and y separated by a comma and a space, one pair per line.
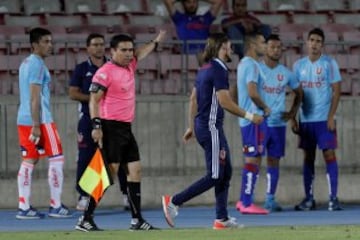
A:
95, 87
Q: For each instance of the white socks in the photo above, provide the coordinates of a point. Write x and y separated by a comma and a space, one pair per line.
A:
24, 184
55, 179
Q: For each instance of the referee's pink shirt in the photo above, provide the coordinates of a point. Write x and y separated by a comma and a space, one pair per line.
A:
118, 102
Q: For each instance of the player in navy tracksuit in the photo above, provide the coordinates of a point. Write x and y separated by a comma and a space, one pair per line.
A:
209, 98
79, 90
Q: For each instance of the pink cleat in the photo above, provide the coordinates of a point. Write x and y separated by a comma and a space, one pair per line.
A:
252, 209
239, 206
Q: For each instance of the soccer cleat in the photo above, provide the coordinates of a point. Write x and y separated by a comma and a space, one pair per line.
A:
60, 212
30, 213
82, 203
334, 205
252, 209
170, 210
220, 224
306, 205
239, 206
142, 225
87, 225
271, 205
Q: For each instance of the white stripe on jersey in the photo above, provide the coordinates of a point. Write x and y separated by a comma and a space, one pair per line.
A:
52, 138
214, 137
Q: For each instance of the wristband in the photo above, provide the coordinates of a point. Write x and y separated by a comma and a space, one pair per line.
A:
156, 44
96, 123
249, 116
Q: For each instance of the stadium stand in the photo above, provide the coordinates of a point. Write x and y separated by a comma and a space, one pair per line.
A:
42, 7
71, 21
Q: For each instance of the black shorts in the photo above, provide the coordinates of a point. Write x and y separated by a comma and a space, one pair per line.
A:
119, 144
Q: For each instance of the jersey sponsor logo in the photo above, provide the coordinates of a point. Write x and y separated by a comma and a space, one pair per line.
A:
307, 84
273, 90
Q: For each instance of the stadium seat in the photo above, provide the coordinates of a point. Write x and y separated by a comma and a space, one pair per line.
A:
148, 75
286, 5
346, 84
106, 20
23, 21
272, 19
149, 20
172, 73
19, 44
68, 21
290, 59
253, 6
326, 5
355, 84
42, 6
125, 6
10, 6
354, 5
339, 28
87, 29
314, 19
83, 6
157, 7
351, 41
298, 28
347, 18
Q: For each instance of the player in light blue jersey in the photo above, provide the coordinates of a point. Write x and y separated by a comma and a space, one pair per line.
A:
250, 81
278, 79
320, 79
38, 136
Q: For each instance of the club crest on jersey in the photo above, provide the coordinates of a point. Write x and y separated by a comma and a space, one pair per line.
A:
280, 77
318, 70
222, 154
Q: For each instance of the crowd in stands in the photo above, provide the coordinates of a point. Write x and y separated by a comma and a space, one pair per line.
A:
71, 21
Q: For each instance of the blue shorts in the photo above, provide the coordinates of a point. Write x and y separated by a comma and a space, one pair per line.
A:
254, 139
317, 133
275, 146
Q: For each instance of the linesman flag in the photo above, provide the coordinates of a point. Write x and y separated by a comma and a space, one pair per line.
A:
96, 178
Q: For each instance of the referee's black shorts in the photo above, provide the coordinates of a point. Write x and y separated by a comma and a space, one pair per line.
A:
119, 144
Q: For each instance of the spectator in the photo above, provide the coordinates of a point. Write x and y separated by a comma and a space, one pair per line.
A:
242, 23
190, 25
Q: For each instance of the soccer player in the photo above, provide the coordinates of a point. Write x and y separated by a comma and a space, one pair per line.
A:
320, 79
79, 91
112, 110
38, 136
210, 97
278, 78
250, 81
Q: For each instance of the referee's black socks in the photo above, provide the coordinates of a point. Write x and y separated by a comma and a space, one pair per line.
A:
134, 196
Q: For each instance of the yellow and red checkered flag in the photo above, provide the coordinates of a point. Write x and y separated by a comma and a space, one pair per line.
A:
96, 178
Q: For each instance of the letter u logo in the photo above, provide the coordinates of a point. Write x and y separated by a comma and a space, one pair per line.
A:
318, 70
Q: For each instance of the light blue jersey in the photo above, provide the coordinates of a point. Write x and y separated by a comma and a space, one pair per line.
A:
277, 79
316, 79
248, 71
34, 71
